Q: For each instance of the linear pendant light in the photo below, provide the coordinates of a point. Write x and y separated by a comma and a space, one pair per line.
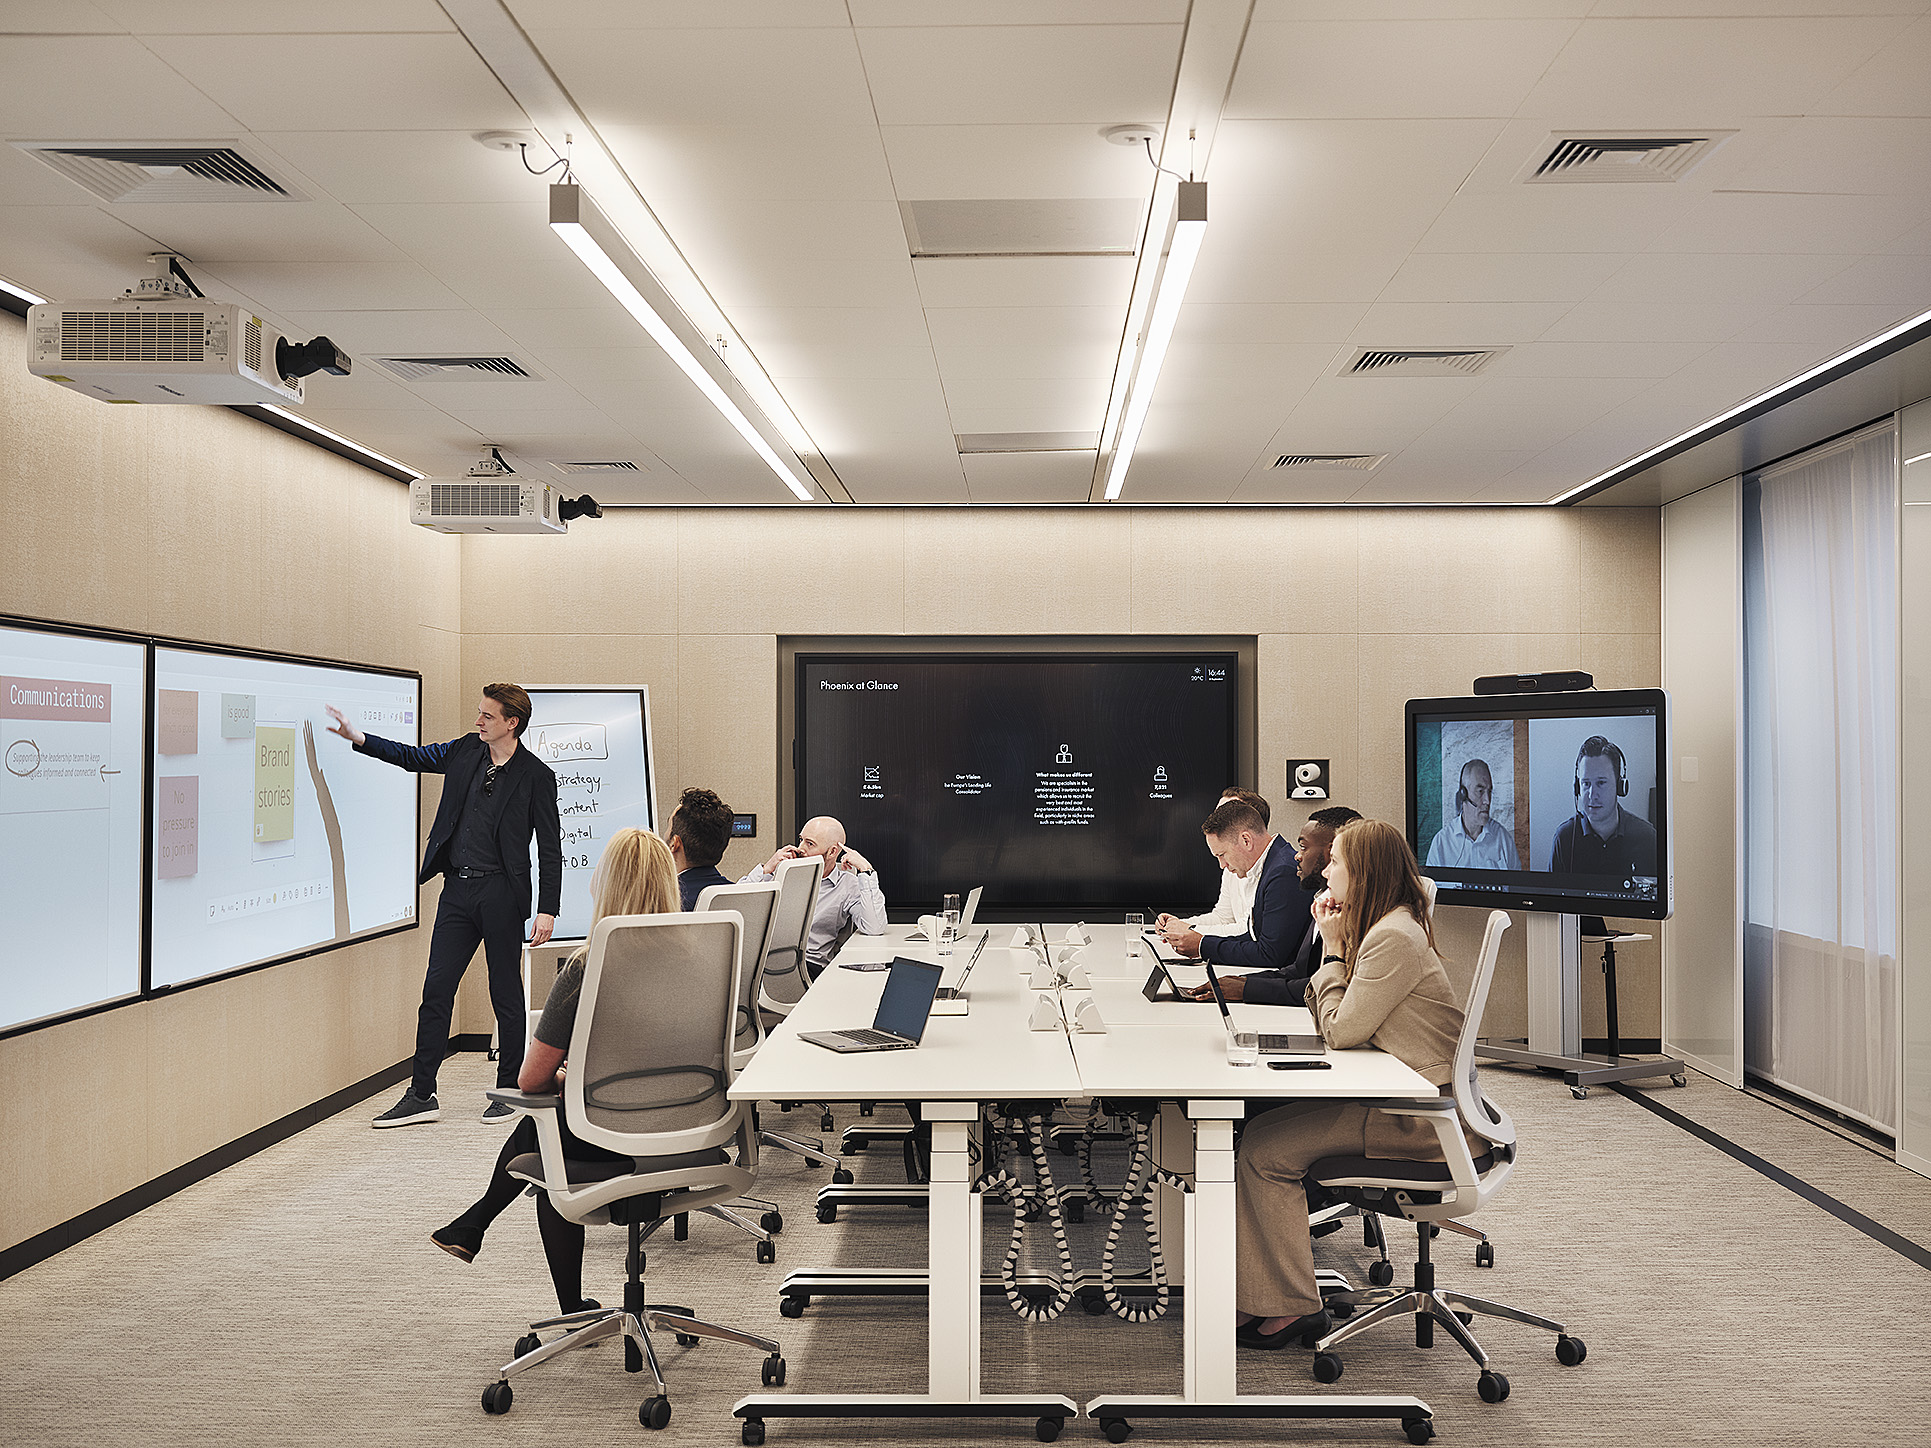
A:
1183, 249
574, 217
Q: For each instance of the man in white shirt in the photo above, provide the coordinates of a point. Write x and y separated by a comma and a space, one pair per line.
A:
1236, 902
849, 893
1473, 841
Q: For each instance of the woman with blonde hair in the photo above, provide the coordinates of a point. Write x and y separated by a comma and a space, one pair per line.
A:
1381, 983
635, 876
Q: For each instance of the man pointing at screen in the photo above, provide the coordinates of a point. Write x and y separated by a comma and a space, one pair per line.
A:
497, 796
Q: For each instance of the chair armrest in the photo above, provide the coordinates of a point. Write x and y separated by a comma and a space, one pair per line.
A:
1442, 1114
528, 1100
1434, 1107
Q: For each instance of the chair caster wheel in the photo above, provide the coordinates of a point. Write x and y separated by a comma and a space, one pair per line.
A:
1340, 1311
842, 1178
1046, 1430
1066, 1145
826, 1124
767, 1252
1679, 1080
852, 1145
791, 1307
655, 1413
1076, 1210
1581, 1093
1115, 1429
497, 1398
868, 1108
1381, 1273
1570, 1350
772, 1222
771, 1372
827, 1213
1467, 1319
1419, 1430
685, 1339
1327, 1368
1092, 1301
1484, 1254
1492, 1386
753, 1434
530, 1342
1031, 1214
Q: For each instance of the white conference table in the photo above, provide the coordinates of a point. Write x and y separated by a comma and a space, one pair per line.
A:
1169, 1052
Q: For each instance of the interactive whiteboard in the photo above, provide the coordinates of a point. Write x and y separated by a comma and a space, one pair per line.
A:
71, 716
598, 742
271, 838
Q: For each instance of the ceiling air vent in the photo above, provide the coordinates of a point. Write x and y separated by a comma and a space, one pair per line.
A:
618, 466
1588, 159
1026, 442
1421, 361
1331, 462
147, 171
414, 369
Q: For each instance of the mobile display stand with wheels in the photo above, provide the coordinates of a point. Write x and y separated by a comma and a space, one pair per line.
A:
1555, 1012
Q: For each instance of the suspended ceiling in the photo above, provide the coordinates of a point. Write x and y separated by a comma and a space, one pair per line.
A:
1366, 180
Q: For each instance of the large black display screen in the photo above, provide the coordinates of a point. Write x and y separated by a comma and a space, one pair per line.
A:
1057, 781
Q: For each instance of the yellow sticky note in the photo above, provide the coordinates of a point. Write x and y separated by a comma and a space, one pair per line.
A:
274, 784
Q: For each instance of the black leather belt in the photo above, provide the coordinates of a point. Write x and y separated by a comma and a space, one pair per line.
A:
467, 872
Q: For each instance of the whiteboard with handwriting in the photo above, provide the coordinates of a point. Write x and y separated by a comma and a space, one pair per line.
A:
598, 742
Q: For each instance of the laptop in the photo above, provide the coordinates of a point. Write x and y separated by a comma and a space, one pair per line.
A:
1164, 951
903, 1009
965, 915
954, 995
1161, 986
1270, 1044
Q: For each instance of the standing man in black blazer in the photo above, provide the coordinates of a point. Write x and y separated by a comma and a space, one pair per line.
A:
1241, 841
497, 796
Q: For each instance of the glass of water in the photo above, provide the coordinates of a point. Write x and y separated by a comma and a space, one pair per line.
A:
949, 924
1243, 1048
1135, 926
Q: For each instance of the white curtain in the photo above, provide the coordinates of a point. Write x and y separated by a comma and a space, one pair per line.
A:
1820, 653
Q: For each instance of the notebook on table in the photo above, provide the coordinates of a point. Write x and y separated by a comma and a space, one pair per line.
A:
904, 1006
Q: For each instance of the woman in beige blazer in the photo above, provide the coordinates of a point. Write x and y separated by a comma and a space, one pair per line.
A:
1381, 983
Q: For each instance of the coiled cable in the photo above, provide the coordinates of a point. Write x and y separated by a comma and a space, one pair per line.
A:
1141, 1178
1005, 1182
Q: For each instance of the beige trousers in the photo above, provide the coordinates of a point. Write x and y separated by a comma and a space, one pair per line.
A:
1275, 1275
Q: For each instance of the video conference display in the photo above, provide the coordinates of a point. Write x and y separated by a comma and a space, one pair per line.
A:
271, 836
1543, 802
72, 711
1069, 781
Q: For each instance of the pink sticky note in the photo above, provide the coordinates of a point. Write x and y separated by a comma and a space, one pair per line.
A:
177, 846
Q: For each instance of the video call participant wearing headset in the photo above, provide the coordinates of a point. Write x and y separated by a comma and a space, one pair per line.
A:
1601, 837
1472, 840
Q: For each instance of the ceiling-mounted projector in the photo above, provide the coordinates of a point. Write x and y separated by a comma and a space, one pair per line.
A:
494, 499
165, 343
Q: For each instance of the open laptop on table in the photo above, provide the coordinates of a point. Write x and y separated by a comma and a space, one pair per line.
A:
952, 998
1271, 1044
904, 1006
965, 915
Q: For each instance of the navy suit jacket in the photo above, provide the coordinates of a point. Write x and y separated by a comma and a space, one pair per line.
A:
1283, 913
530, 810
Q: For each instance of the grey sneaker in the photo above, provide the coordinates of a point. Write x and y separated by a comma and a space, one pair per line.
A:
498, 1111
409, 1111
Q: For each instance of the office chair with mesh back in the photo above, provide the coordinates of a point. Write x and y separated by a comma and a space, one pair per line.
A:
650, 1065
1431, 1192
786, 979
757, 906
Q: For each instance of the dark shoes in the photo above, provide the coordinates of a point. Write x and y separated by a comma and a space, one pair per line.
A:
409, 1111
498, 1111
459, 1240
1307, 1330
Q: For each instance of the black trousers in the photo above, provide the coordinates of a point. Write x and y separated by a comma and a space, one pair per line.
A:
481, 911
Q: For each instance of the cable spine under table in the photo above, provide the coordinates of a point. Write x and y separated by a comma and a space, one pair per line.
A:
1142, 1176
1005, 1182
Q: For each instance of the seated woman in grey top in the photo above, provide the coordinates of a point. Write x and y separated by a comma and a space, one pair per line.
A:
635, 876
1381, 983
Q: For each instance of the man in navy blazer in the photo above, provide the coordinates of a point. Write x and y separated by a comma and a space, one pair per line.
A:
497, 796
1241, 841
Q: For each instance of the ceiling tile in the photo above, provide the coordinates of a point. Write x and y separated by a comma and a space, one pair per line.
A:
1742, 222
446, 333
76, 17
216, 17
965, 363
1657, 321
100, 88
1415, 68
1456, 324
850, 360
319, 286
676, 167
842, 412
409, 167
1019, 281
1303, 323
501, 232
676, 14
1615, 219
1595, 359
1500, 277
1029, 477
1234, 272
72, 253
1023, 326
1018, 12
344, 82
1824, 330
792, 253
1674, 277
1837, 155
902, 326
1903, 282
1033, 404
1890, 83
317, 231
1045, 162
902, 468
1026, 75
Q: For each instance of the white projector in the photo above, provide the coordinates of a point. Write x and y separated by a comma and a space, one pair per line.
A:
165, 350
493, 503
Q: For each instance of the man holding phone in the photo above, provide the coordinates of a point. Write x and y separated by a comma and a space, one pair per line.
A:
849, 897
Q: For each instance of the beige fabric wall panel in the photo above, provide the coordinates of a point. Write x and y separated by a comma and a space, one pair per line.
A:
793, 571
1471, 571
1199, 571
1016, 571
201, 524
725, 682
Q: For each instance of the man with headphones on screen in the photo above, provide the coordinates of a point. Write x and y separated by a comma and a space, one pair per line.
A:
1472, 840
1601, 837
